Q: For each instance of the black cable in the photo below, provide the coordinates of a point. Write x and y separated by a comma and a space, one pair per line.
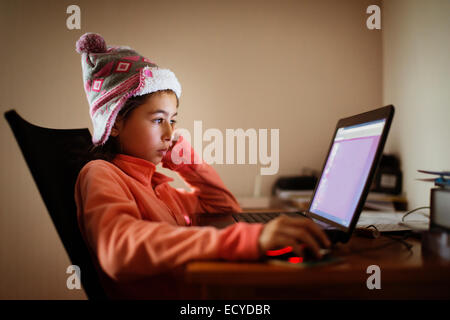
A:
414, 210
363, 250
405, 236
401, 240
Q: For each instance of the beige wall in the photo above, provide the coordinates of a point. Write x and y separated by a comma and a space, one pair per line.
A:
416, 79
293, 65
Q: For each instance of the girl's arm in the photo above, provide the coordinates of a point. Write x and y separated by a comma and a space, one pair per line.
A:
209, 193
128, 247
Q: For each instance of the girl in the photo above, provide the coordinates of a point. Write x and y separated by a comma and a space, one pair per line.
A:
136, 225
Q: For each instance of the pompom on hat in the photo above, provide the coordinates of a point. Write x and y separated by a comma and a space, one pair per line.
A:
113, 74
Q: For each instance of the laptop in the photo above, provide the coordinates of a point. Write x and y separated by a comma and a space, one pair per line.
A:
349, 167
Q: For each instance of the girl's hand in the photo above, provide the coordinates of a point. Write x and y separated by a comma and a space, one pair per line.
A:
180, 153
175, 137
295, 232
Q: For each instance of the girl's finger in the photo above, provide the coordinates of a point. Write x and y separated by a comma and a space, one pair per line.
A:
175, 135
282, 241
314, 229
302, 235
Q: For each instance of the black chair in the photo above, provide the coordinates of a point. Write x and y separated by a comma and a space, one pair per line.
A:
55, 157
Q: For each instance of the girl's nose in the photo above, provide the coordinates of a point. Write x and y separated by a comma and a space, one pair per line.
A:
168, 131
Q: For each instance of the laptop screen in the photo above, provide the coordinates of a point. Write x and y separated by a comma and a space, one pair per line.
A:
346, 171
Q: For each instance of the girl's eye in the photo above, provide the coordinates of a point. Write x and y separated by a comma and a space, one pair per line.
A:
160, 120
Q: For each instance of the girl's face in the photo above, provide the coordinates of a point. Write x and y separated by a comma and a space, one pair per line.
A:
147, 131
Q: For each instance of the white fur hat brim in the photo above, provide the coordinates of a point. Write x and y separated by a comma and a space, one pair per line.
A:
156, 79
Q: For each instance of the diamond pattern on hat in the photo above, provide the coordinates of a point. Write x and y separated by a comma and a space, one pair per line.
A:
97, 85
123, 66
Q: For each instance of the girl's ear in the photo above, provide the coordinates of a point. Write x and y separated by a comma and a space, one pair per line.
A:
114, 132
116, 128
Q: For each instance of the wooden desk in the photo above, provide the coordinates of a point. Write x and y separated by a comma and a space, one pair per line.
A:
404, 275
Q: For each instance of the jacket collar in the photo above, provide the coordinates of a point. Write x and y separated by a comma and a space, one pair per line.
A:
140, 169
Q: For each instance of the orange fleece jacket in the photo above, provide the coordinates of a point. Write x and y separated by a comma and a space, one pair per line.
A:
136, 225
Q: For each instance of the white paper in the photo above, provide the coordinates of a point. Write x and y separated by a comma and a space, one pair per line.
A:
392, 221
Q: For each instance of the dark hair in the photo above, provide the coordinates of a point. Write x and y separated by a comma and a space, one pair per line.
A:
112, 147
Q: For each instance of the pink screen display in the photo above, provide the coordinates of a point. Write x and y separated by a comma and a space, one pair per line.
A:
345, 174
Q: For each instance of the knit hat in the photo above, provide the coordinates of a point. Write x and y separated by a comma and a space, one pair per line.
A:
113, 74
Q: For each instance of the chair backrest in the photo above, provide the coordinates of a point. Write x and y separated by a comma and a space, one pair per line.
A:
55, 157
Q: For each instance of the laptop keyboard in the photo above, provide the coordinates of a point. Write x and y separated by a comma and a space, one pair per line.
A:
263, 217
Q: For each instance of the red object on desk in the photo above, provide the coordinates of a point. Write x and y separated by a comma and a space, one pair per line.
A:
296, 259
279, 252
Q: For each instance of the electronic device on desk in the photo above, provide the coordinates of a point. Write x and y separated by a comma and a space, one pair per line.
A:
388, 177
295, 191
386, 189
295, 185
439, 199
437, 240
